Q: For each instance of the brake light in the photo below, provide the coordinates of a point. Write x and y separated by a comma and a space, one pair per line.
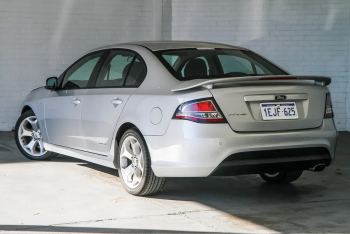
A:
329, 110
278, 78
200, 111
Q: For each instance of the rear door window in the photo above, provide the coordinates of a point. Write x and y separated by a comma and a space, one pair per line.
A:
115, 69
121, 68
136, 74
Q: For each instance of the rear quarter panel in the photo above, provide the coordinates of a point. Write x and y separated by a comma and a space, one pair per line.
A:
154, 92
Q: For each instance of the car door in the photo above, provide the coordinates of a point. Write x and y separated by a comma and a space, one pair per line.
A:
63, 106
120, 75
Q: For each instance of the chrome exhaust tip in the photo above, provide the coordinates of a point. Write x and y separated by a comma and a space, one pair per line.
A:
318, 167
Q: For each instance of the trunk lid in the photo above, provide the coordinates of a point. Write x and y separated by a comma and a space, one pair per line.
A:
241, 106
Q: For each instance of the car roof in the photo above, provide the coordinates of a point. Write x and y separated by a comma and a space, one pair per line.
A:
167, 45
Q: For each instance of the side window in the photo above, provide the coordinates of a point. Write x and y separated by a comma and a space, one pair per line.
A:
233, 64
196, 67
115, 69
78, 75
136, 74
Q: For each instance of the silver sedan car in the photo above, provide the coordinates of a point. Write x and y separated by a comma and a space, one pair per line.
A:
181, 109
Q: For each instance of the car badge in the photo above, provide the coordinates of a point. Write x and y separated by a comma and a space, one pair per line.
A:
280, 97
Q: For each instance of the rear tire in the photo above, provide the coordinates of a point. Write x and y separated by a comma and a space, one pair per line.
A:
284, 177
28, 138
134, 165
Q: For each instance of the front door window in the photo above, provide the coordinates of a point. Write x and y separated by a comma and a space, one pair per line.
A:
77, 77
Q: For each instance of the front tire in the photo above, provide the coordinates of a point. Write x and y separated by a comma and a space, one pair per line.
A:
28, 138
284, 177
134, 165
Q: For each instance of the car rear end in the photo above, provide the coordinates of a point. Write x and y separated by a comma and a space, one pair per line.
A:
247, 125
293, 126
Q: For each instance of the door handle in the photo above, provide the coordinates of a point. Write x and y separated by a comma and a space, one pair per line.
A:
116, 102
75, 101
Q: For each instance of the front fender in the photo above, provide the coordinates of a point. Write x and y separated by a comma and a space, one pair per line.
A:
35, 100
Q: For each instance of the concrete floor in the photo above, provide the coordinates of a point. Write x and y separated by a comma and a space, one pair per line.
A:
69, 195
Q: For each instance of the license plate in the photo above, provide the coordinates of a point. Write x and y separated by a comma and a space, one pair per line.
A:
273, 111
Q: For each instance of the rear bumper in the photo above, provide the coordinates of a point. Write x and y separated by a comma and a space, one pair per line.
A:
191, 149
255, 162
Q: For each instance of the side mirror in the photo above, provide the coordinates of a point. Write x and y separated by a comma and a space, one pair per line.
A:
51, 83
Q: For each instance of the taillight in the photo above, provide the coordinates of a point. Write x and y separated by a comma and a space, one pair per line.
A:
200, 111
329, 110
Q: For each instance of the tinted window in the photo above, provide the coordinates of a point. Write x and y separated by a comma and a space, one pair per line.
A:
115, 69
78, 75
215, 63
236, 64
171, 59
136, 74
259, 71
194, 65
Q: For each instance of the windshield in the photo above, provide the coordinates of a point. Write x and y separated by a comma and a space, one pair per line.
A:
189, 64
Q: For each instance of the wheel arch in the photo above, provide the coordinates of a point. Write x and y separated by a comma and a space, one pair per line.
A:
122, 129
26, 108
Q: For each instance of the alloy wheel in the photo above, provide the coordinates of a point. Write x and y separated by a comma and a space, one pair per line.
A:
131, 162
30, 138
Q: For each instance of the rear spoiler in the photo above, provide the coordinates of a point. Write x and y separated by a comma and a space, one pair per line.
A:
317, 80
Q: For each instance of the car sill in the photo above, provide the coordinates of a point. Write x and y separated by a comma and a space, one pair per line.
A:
83, 155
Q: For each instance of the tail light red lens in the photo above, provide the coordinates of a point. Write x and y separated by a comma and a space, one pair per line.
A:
329, 110
200, 111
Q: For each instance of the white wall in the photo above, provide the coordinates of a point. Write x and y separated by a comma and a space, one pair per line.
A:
303, 36
40, 38
167, 19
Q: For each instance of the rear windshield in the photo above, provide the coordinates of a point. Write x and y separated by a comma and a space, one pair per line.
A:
189, 64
